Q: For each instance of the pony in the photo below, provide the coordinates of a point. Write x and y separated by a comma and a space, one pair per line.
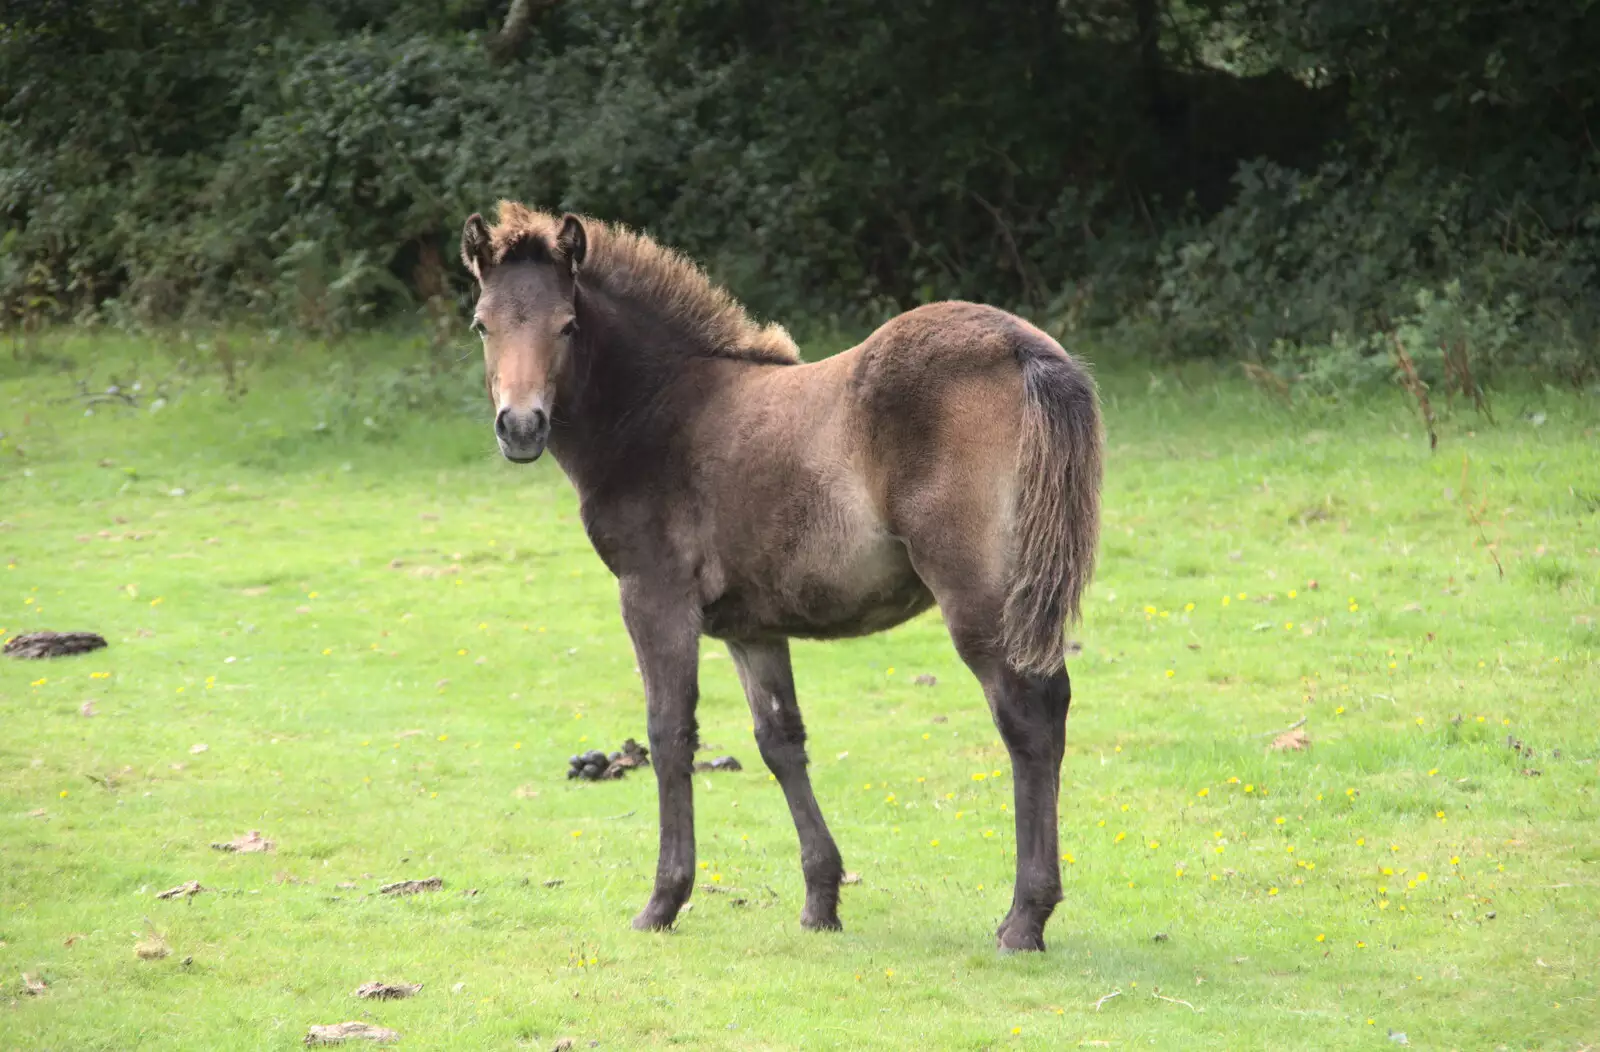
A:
737, 492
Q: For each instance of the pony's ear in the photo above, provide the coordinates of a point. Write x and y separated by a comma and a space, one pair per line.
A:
572, 243
475, 252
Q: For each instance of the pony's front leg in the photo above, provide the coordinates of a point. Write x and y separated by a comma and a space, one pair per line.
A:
769, 685
665, 627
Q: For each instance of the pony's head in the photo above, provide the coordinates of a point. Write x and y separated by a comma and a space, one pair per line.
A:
527, 270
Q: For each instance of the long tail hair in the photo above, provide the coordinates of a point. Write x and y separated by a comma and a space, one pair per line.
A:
1057, 521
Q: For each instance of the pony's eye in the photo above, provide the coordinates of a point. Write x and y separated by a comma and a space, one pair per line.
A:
477, 327
570, 327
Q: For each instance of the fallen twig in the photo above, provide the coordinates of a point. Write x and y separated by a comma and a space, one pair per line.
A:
1177, 1001
1107, 997
1296, 725
625, 814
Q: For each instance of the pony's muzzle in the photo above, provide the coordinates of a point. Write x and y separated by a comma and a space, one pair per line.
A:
521, 433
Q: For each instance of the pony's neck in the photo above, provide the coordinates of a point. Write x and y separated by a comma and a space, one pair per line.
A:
633, 383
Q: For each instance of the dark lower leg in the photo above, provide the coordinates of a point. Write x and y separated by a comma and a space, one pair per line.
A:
769, 687
672, 743
666, 641
1029, 710
1031, 714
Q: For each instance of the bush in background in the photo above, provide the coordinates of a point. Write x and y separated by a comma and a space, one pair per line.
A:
1279, 181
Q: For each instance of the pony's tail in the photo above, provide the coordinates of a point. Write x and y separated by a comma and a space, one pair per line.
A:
1057, 520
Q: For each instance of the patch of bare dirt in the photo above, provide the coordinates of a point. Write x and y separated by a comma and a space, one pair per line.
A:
339, 1033
152, 947
435, 571
34, 646
182, 891
247, 843
33, 986
412, 887
1290, 741
381, 991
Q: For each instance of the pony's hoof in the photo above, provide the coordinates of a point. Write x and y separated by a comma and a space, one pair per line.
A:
1012, 940
820, 923
652, 918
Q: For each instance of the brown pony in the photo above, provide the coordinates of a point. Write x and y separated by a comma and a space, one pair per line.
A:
736, 492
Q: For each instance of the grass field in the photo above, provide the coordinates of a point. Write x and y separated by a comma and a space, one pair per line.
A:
351, 627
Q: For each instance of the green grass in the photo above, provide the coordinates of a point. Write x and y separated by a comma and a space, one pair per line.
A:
390, 642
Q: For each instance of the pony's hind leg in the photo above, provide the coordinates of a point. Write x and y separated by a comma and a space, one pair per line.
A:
769, 687
1030, 711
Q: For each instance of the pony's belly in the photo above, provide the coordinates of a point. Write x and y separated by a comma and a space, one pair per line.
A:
858, 594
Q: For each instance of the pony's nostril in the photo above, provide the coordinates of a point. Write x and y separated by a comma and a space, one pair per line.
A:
502, 430
539, 421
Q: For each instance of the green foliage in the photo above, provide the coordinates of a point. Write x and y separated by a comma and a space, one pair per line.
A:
1259, 179
1321, 275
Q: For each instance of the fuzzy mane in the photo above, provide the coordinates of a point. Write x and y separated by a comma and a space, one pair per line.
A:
629, 264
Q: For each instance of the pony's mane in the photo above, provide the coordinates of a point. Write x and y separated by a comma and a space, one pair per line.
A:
629, 264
